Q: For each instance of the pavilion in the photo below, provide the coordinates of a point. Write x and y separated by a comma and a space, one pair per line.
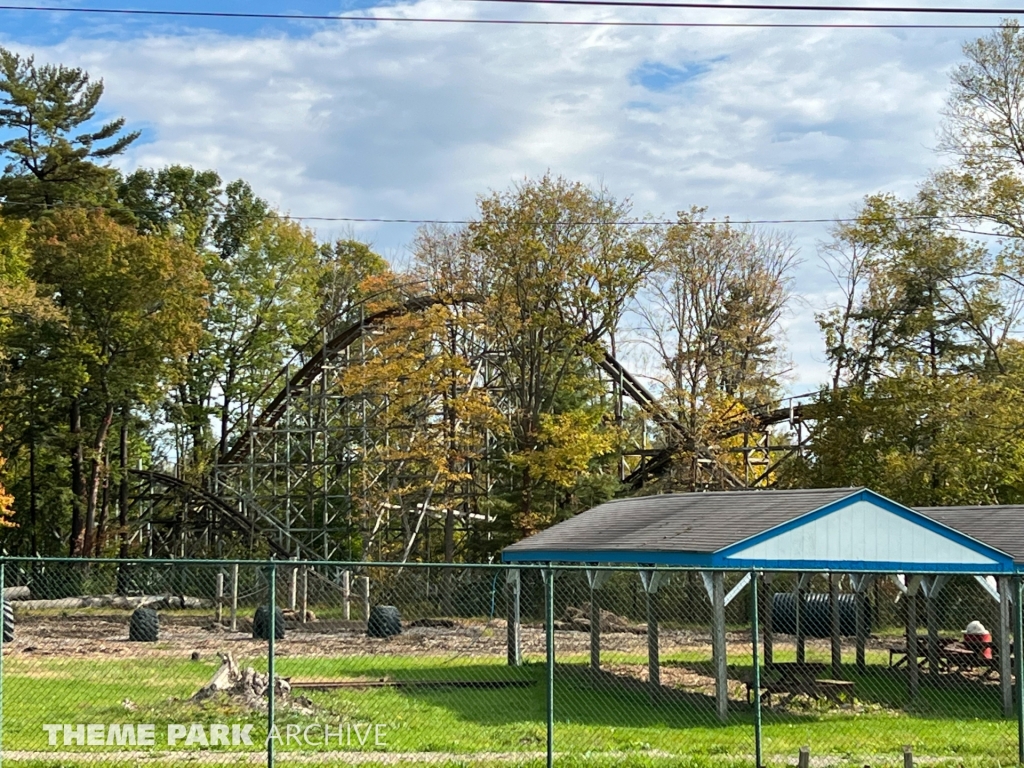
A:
836, 531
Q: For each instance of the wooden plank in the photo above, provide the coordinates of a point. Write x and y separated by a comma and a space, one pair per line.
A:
765, 610
719, 650
515, 630
837, 644
804, 760
1005, 683
595, 631
329, 685
912, 668
653, 652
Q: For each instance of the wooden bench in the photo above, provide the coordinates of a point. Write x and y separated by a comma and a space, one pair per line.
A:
789, 687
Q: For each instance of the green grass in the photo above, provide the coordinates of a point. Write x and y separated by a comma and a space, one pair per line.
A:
598, 722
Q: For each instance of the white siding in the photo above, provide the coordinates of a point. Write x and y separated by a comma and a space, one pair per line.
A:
862, 532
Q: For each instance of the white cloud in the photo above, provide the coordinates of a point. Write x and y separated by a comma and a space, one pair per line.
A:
415, 120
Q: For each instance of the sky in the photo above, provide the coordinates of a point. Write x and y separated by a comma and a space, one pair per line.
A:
415, 121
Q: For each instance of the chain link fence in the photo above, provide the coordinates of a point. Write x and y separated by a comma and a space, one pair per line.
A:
117, 663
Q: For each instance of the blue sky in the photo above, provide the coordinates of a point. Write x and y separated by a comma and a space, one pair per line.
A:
414, 121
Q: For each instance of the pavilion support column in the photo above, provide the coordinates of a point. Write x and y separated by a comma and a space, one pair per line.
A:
802, 580
837, 643
932, 586
651, 580
513, 587
861, 585
764, 597
715, 585
596, 580
1005, 667
913, 582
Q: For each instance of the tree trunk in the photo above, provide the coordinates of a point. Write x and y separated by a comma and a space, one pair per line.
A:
122, 494
77, 484
95, 477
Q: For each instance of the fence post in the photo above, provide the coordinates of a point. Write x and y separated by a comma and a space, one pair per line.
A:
1018, 647
754, 630
220, 597
549, 635
272, 625
234, 597
366, 597
346, 594
2, 630
305, 593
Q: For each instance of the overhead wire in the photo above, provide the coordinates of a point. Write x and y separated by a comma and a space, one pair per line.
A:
486, 21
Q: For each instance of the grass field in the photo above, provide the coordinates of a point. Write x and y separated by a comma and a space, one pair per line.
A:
597, 721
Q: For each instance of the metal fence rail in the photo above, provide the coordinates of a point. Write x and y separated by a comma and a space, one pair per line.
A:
111, 663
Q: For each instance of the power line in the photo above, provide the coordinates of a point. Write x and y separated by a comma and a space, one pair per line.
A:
495, 22
768, 7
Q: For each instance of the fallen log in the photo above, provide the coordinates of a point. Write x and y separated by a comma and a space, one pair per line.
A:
329, 685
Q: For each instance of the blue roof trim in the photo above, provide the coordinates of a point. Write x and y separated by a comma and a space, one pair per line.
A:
609, 557
1005, 562
851, 566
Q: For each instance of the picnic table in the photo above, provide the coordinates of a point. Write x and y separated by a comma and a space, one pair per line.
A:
791, 680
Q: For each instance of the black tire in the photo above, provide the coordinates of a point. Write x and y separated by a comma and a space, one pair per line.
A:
385, 621
144, 626
261, 623
8, 621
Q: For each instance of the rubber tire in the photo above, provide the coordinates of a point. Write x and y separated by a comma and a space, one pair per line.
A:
144, 626
385, 621
261, 623
8, 626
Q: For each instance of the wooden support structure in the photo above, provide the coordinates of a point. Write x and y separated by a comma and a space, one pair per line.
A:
765, 613
304, 605
596, 580
932, 586
908, 757
718, 644
651, 580
1005, 667
220, 597
802, 580
861, 585
837, 644
234, 597
912, 668
366, 598
804, 758
293, 587
346, 595
514, 639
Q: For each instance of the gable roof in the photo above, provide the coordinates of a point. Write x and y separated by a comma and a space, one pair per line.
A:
841, 529
999, 526
679, 522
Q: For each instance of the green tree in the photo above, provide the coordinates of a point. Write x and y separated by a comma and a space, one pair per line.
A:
56, 153
132, 305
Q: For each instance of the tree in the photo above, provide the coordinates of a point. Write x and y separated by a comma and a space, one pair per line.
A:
711, 313
56, 154
132, 306
557, 266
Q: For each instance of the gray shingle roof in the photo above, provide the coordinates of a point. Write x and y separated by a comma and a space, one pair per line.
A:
679, 522
1001, 527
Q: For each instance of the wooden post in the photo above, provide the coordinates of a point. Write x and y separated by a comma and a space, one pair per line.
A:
908, 757
931, 619
366, 597
801, 641
514, 633
837, 645
1005, 681
346, 595
220, 597
860, 604
653, 651
595, 621
912, 641
293, 587
804, 760
234, 597
766, 605
305, 593
719, 650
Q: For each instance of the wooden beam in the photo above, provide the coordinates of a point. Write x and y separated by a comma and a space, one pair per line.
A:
837, 644
1005, 685
932, 586
719, 650
861, 585
737, 588
798, 600
513, 586
653, 652
596, 579
912, 669
765, 612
